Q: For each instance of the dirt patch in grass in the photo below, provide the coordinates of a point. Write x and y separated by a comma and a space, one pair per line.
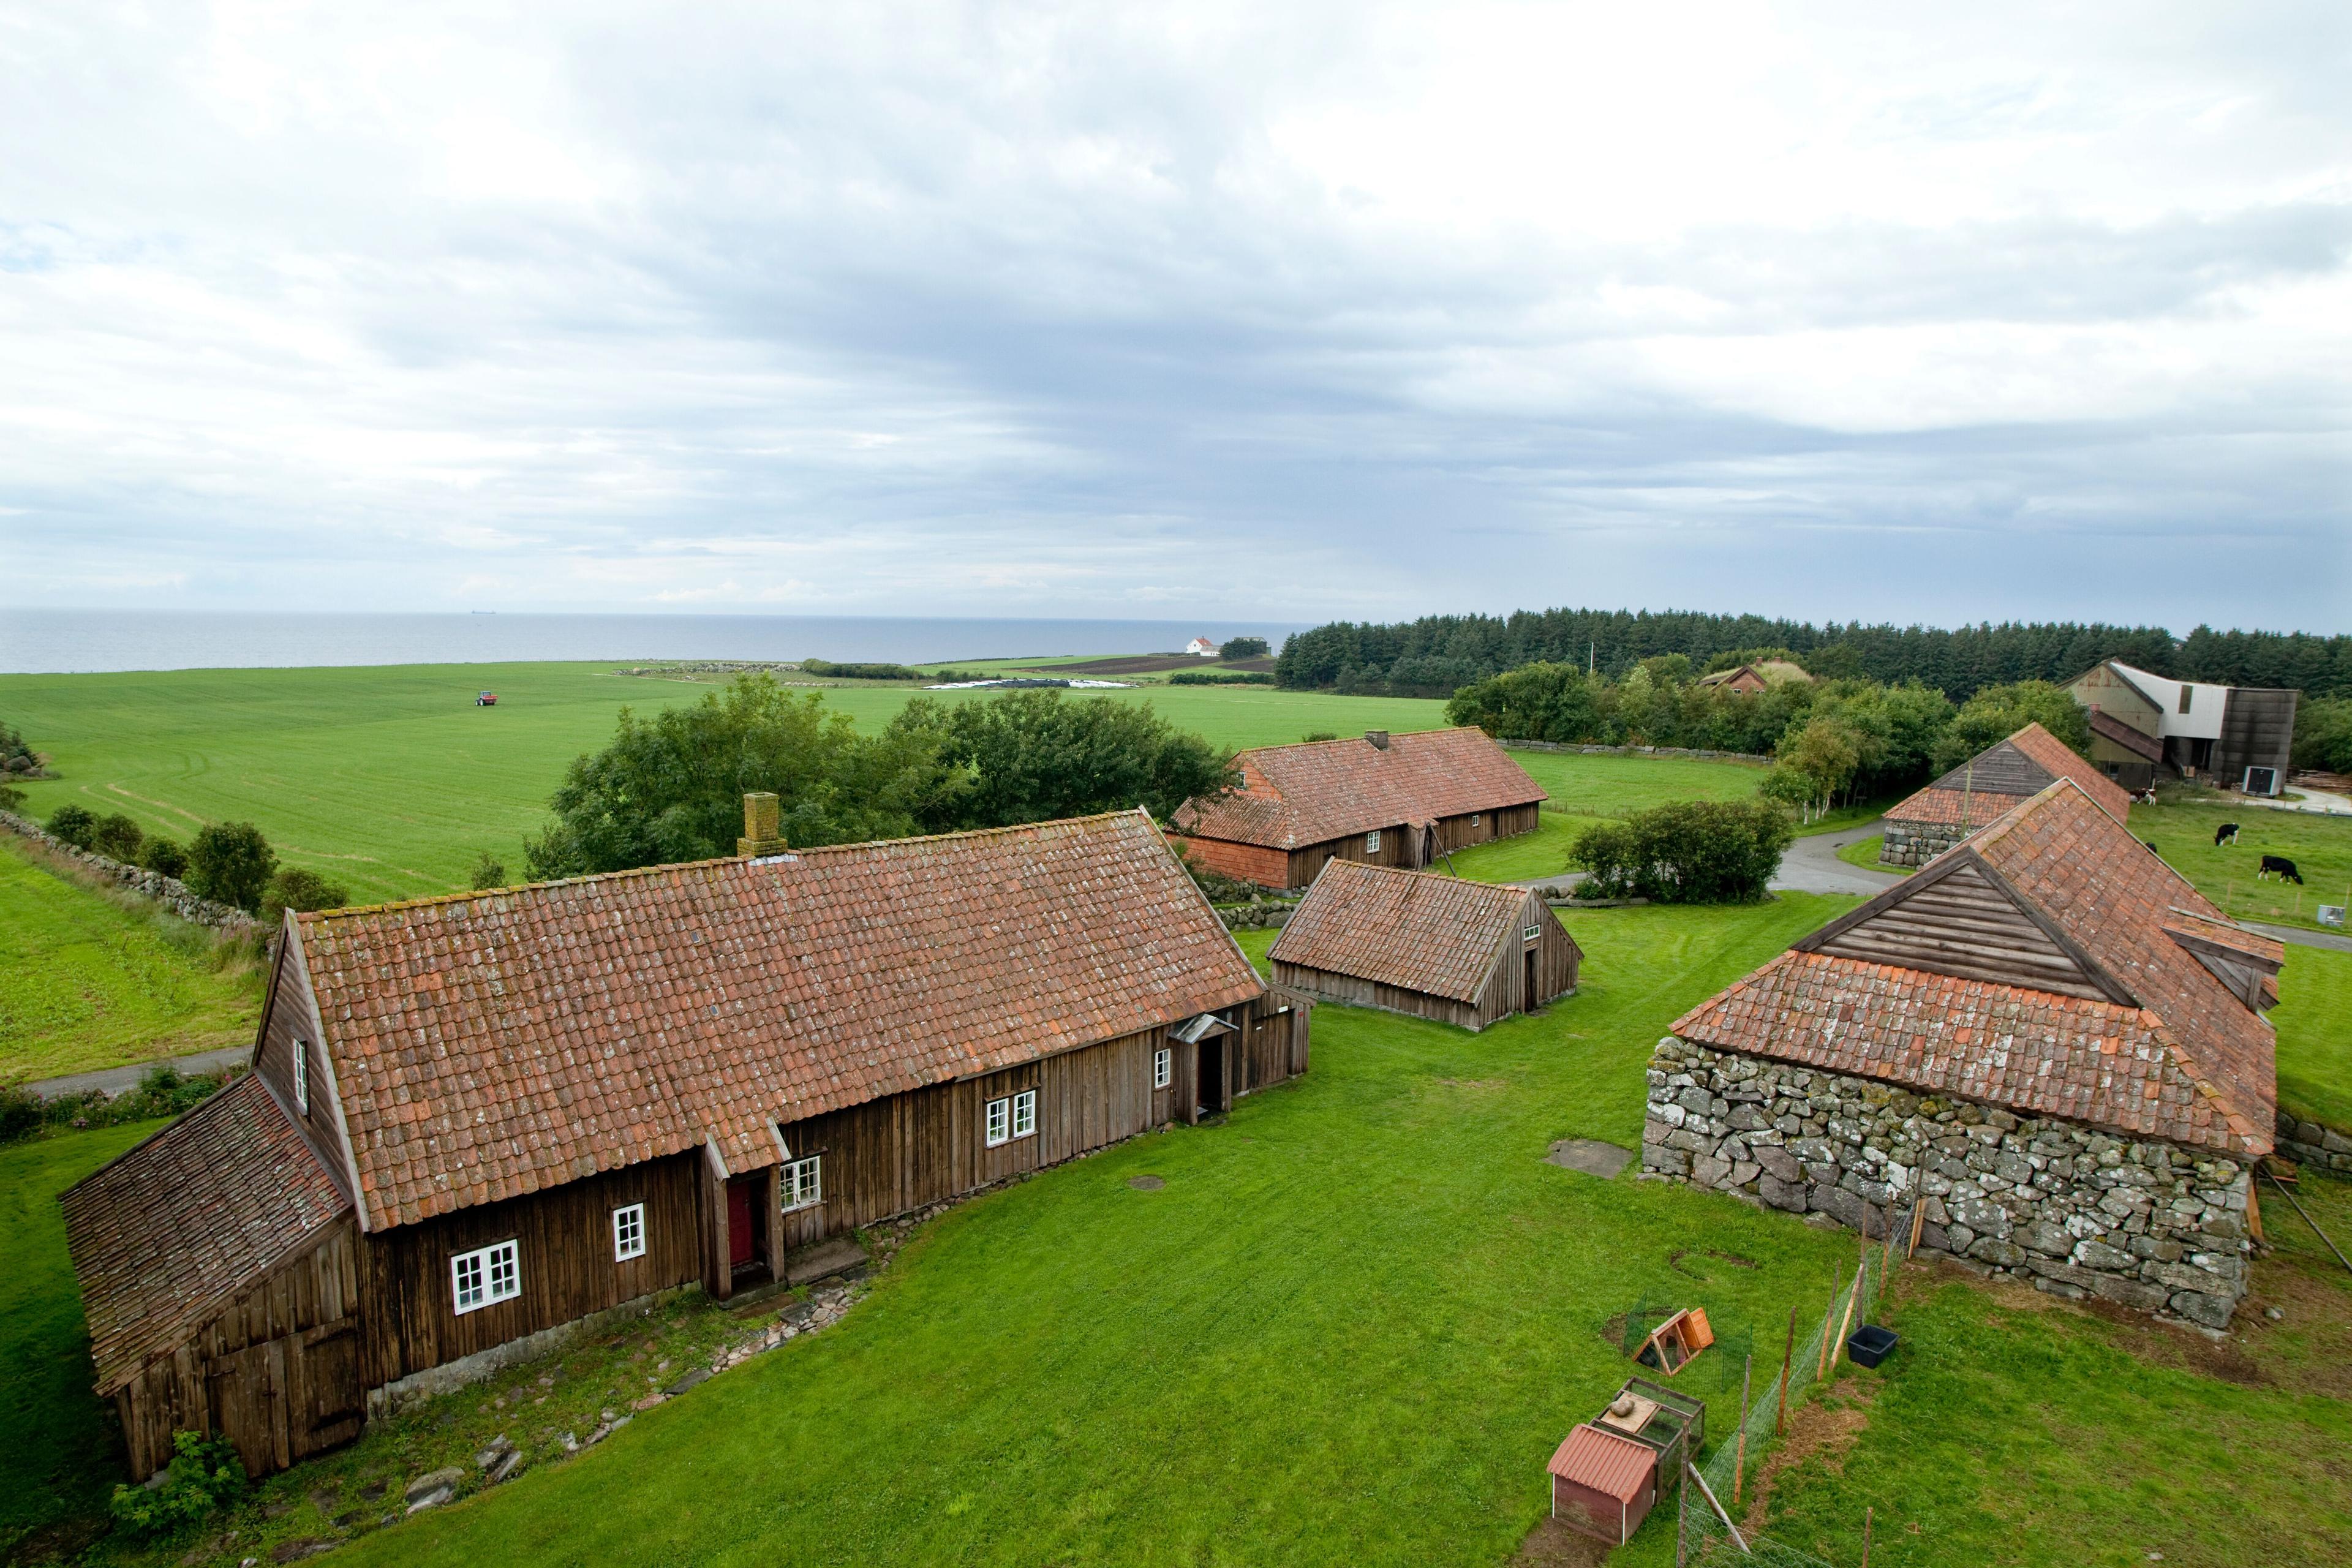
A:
1828, 1426
1552, 1545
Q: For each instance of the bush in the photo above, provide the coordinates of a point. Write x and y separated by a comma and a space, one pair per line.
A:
164, 857
298, 888
1689, 852
72, 824
203, 1474
859, 671
18, 759
116, 838
230, 863
489, 871
1313, 735
1242, 648
22, 1113
1220, 678
164, 1091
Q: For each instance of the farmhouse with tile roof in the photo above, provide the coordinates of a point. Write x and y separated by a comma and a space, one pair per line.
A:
1414, 942
1386, 800
2048, 1039
475, 1119
1978, 791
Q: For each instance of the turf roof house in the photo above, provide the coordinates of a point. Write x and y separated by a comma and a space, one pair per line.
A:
1386, 800
1979, 791
2048, 1035
474, 1120
1412, 941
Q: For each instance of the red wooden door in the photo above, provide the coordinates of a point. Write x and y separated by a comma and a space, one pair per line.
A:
739, 1223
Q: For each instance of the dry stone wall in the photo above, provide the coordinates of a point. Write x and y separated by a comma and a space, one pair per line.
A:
1916, 844
2310, 1143
169, 892
2073, 1211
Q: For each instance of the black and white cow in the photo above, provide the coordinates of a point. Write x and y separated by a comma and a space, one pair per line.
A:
2225, 833
2283, 865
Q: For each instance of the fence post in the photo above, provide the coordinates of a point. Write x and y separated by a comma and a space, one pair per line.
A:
1781, 1419
1865, 1536
1740, 1460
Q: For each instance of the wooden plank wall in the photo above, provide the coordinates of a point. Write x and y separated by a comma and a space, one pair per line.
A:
1326, 985
1961, 925
1505, 991
1460, 832
566, 1258
276, 1372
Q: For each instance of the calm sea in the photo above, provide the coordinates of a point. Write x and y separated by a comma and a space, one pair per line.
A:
57, 640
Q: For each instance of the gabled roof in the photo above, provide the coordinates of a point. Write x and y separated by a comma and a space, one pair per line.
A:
489, 1045
1292, 796
1414, 929
2025, 764
1770, 671
2035, 966
169, 1232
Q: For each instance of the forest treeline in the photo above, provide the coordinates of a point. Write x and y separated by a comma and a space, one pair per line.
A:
1439, 654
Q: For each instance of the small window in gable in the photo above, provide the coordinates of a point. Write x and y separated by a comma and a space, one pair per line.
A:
628, 1232
302, 1076
1163, 1067
485, 1275
999, 1122
803, 1183
1533, 933
1373, 842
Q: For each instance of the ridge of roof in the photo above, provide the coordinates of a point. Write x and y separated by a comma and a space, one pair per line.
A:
1418, 930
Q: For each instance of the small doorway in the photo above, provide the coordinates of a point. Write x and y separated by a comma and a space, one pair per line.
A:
742, 1222
1534, 997
1211, 1078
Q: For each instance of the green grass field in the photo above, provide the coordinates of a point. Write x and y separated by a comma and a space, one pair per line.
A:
88, 981
1864, 852
2320, 848
57, 1443
2315, 1035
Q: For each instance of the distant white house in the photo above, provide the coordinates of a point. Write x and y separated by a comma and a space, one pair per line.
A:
1201, 647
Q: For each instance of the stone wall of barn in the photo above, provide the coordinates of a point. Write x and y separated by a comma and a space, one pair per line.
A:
2073, 1211
2321, 1148
1916, 843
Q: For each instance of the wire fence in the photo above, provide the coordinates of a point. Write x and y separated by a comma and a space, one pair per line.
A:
1808, 1356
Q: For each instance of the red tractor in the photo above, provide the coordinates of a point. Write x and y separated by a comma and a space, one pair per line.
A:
485, 698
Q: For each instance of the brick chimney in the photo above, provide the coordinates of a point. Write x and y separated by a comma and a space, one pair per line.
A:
760, 827
1379, 737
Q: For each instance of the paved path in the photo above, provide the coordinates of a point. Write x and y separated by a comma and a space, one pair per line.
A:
121, 1080
1811, 865
2302, 938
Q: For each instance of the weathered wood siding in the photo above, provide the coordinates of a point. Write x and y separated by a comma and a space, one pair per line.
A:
565, 1254
1461, 832
1500, 994
1354, 991
1396, 849
292, 1014
276, 1371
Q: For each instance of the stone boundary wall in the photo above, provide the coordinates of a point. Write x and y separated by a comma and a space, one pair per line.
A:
1910, 845
2310, 1143
1257, 916
2072, 1211
169, 892
1574, 749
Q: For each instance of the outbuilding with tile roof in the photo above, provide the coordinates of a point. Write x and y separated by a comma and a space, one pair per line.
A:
1384, 799
2048, 1039
1982, 789
1415, 941
475, 1120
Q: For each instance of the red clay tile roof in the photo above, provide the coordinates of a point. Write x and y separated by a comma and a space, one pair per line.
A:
1292, 796
1437, 935
490, 1045
2005, 772
2190, 1063
1614, 1467
171, 1230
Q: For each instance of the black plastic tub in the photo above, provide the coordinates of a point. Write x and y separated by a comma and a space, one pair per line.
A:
1870, 1344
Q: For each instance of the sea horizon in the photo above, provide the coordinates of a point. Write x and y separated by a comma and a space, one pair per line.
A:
100, 641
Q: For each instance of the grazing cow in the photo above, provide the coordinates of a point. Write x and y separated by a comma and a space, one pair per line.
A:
2152, 848
2225, 833
2283, 865
2147, 797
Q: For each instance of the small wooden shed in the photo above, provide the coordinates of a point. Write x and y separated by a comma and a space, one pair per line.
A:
1414, 942
1602, 1483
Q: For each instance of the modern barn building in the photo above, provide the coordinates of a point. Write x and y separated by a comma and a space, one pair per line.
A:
1385, 800
1414, 941
475, 1120
2148, 727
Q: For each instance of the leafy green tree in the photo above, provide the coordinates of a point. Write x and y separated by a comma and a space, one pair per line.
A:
489, 871
163, 857
670, 787
1687, 852
116, 838
73, 825
1031, 756
1822, 758
1241, 647
2323, 735
1998, 712
1534, 702
230, 863
300, 888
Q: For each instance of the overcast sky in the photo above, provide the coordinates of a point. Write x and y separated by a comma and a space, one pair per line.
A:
1273, 311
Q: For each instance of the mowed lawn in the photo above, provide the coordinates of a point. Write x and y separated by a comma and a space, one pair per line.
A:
57, 1443
1349, 1327
389, 780
2320, 848
2314, 1018
87, 984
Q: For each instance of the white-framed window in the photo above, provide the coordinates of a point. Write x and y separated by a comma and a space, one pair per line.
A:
628, 1232
1163, 1067
485, 1275
803, 1183
1024, 1113
1533, 933
302, 1076
1473, 819
999, 1122
1373, 842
